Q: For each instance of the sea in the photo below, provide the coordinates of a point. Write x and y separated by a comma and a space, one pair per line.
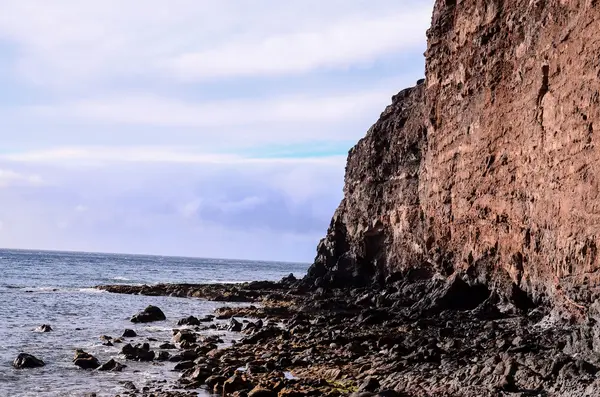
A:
57, 288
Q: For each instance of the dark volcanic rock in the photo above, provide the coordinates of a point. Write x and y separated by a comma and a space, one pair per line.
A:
129, 333
25, 360
85, 360
112, 365
44, 328
149, 314
234, 325
137, 353
191, 320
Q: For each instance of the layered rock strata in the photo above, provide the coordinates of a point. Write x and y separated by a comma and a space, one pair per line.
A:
488, 167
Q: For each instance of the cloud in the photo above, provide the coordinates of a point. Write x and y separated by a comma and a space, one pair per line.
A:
153, 110
350, 42
191, 127
11, 178
65, 42
198, 209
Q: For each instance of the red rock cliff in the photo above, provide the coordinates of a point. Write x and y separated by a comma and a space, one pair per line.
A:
489, 167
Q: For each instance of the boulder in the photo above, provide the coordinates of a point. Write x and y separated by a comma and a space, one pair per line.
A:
234, 325
137, 353
85, 360
191, 320
25, 360
149, 314
184, 335
129, 333
44, 328
111, 365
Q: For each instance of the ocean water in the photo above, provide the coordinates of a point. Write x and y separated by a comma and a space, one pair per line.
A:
56, 288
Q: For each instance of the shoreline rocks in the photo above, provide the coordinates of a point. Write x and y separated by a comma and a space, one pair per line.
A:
418, 336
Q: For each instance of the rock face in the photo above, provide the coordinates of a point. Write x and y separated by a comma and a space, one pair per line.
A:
488, 167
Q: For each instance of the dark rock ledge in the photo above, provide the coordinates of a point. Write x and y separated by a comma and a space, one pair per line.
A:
430, 336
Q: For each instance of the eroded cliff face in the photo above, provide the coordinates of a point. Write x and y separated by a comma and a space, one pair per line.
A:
488, 168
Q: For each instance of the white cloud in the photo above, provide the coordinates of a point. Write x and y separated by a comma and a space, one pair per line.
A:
191, 208
12, 178
81, 208
219, 210
67, 41
158, 111
349, 42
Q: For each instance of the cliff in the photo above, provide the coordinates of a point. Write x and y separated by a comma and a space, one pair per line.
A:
487, 169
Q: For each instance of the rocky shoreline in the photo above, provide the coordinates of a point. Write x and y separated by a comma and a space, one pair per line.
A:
417, 336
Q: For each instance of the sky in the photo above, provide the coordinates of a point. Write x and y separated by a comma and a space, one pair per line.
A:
191, 127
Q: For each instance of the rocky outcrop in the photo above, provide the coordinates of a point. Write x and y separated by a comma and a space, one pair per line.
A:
488, 168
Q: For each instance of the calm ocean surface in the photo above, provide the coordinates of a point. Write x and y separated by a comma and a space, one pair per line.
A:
55, 288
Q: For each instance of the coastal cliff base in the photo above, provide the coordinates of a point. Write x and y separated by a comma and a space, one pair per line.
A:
419, 336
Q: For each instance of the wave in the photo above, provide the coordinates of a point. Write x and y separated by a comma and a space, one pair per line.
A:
121, 278
92, 290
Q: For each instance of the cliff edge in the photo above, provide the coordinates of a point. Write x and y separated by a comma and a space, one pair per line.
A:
488, 168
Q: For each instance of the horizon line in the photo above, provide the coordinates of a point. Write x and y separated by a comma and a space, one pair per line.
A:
148, 255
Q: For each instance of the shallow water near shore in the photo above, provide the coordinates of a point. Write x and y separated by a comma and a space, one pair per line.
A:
56, 288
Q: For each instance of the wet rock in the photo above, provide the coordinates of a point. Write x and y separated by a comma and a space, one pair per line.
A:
184, 335
184, 365
137, 353
149, 314
191, 320
44, 328
111, 365
85, 360
129, 333
167, 346
163, 356
234, 325
25, 360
